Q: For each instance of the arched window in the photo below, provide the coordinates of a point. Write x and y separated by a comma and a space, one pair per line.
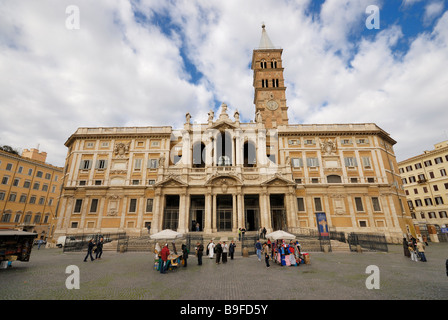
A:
274, 64
198, 155
250, 154
263, 64
334, 179
224, 149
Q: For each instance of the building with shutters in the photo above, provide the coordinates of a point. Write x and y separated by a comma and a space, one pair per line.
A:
425, 182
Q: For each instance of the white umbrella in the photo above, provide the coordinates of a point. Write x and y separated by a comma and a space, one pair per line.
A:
166, 234
280, 234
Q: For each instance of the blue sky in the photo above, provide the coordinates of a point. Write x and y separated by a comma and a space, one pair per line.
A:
149, 62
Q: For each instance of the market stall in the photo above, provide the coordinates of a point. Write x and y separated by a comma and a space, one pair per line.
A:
174, 260
286, 251
15, 246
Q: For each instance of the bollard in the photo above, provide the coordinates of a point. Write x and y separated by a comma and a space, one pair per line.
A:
358, 249
122, 248
326, 248
245, 252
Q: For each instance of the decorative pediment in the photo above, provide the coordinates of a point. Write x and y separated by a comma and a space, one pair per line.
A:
171, 181
229, 179
222, 125
278, 180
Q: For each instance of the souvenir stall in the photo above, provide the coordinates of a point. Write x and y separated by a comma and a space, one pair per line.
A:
174, 260
286, 251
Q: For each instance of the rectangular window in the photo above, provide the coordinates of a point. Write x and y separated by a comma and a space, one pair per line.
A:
32, 199
138, 164
312, 162
376, 204
317, 204
297, 162
78, 205
133, 205
350, 162
428, 201
5, 180
418, 166
428, 163
418, 203
438, 160
9, 167
12, 197
438, 200
300, 204
366, 163
358, 203
85, 165
149, 204
39, 174
101, 164
94, 205
443, 172
153, 163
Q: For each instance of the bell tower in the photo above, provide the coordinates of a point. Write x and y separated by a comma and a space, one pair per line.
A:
269, 85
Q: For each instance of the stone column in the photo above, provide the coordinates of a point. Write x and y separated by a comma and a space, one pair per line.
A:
156, 218
182, 212
240, 199
208, 212
234, 213
214, 214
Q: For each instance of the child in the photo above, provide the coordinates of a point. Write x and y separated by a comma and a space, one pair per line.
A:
413, 254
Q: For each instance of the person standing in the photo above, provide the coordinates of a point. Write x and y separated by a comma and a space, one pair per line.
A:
184, 254
259, 248
90, 247
99, 249
266, 254
164, 258
199, 252
264, 233
232, 247
225, 250
421, 251
218, 249
412, 253
407, 253
239, 234
211, 249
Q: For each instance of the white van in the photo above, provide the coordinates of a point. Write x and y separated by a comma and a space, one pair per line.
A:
61, 241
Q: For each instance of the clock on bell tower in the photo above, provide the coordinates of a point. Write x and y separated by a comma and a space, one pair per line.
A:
269, 85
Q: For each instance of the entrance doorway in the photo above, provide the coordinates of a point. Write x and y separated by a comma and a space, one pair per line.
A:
171, 212
224, 208
278, 211
252, 212
197, 213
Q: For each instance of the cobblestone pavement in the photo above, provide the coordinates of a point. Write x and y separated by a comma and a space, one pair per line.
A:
130, 276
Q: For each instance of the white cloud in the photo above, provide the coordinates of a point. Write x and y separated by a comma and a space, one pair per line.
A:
116, 71
432, 11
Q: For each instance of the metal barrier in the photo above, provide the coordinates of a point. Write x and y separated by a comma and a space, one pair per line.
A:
368, 241
80, 242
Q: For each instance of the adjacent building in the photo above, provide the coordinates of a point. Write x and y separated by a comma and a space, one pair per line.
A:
226, 174
425, 182
29, 192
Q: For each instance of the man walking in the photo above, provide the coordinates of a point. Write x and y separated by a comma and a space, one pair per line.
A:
99, 249
258, 247
199, 252
90, 250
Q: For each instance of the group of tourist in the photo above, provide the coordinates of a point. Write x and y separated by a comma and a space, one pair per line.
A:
414, 249
222, 249
286, 254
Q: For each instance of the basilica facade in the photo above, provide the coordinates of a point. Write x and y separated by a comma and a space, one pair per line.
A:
222, 175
